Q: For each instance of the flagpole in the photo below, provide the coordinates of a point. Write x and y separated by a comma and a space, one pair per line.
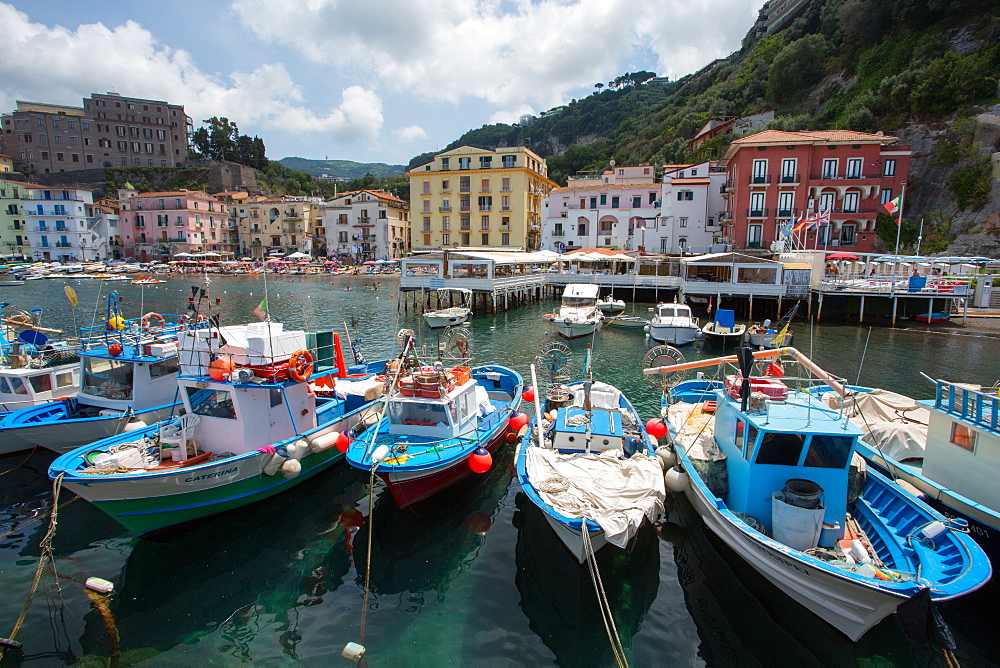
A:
899, 221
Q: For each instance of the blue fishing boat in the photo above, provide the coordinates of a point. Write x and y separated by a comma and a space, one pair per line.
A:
127, 371
771, 471
585, 462
249, 427
945, 450
439, 425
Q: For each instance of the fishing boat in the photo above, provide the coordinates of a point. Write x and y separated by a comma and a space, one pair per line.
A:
145, 280
34, 369
764, 336
239, 437
578, 314
772, 473
127, 372
586, 463
611, 304
943, 449
673, 324
933, 318
452, 315
627, 322
723, 329
439, 424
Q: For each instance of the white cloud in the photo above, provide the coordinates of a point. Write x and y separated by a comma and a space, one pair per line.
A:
412, 133
62, 66
514, 55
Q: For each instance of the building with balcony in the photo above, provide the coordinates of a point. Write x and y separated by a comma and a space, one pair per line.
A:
105, 223
774, 177
281, 226
158, 225
13, 219
689, 217
59, 224
479, 197
109, 130
612, 209
366, 225
6, 163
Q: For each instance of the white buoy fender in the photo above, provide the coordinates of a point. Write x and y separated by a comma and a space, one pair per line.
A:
100, 585
353, 651
676, 479
274, 463
324, 441
135, 424
291, 468
667, 456
298, 449
381, 452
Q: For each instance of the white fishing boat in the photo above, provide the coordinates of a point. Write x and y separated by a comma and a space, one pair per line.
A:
33, 368
723, 329
452, 315
578, 314
249, 428
673, 324
611, 304
627, 322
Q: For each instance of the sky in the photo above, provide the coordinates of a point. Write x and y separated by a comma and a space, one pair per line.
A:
369, 81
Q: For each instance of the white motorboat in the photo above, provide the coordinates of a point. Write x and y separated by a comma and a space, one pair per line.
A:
723, 330
611, 304
451, 315
578, 315
673, 324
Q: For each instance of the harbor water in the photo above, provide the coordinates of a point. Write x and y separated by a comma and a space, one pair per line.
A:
472, 577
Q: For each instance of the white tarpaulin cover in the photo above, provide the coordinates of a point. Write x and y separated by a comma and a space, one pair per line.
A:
694, 431
893, 423
616, 493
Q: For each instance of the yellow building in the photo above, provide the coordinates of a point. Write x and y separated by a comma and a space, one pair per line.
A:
14, 240
281, 226
474, 197
6, 163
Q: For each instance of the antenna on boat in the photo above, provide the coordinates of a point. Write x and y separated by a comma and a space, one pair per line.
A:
745, 358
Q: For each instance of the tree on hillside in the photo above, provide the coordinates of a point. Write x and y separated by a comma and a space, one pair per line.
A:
796, 68
222, 140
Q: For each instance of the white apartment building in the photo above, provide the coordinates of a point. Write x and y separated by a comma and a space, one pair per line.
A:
60, 226
366, 225
689, 218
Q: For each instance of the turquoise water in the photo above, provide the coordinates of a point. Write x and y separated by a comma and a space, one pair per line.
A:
471, 577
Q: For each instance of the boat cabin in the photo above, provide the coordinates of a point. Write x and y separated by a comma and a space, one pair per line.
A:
578, 430
784, 440
580, 296
26, 386
963, 442
668, 313
137, 376
437, 405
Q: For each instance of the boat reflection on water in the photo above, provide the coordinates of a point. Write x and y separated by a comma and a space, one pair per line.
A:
558, 596
239, 574
424, 547
742, 619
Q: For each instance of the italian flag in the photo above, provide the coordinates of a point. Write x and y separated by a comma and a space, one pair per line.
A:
261, 310
892, 206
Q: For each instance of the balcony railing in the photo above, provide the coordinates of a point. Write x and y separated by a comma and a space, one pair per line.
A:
790, 178
558, 233
443, 209
760, 180
832, 176
485, 207
757, 213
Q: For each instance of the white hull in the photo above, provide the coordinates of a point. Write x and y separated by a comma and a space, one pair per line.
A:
575, 330
573, 539
447, 317
64, 435
845, 603
672, 333
766, 340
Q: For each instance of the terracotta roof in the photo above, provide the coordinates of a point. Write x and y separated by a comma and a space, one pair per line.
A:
783, 137
700, 181
179, 193
593, 187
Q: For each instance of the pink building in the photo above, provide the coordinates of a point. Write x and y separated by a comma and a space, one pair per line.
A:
159, 225
776, 176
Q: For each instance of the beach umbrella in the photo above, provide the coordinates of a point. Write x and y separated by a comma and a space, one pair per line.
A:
369, 262
841, 256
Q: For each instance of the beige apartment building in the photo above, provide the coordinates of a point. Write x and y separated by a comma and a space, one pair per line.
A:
474, 197
275, 227
366, 225
109, 130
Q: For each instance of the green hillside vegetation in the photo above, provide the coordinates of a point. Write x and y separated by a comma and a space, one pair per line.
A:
848, 64
342, 168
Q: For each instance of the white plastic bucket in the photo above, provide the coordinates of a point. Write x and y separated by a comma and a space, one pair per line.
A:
798, 528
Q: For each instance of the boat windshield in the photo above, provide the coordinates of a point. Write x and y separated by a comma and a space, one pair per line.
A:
418, 413
107, 378
579, 302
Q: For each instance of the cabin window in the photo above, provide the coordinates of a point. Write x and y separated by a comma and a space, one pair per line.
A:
218, 403
963, 437
4, 387
41, 383
781, 449
275, 395
163, 368
64, 379
412, 413
18, 385
828, 452
111, 379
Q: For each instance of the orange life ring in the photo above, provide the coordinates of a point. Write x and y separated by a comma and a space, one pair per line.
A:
300, 366
146, 321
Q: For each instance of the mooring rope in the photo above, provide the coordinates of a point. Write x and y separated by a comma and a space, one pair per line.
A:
26, 460
45, 556
607, 614
368, 554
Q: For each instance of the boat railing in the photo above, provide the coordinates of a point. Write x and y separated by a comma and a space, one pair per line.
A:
968, 403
